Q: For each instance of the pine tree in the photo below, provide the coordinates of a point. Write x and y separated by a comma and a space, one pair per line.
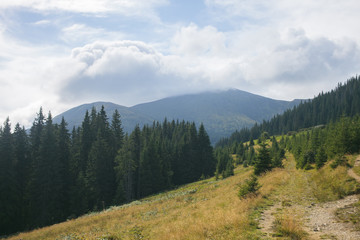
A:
63, 165
22, 169
320, 158
117, 131
10, 200
100, 174
34, 186
86, 142
125, 168
206, 161
263, 160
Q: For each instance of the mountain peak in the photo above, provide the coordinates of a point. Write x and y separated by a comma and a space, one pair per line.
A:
221, 112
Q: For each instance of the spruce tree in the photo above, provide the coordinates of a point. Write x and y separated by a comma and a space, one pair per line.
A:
263, 160
63, 144
100, 174
22, 169
10, 199
206, 161
125, 169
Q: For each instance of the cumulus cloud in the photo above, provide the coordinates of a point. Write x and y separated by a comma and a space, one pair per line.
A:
275, 60
280, 49
193, 41
200, 59
127, 72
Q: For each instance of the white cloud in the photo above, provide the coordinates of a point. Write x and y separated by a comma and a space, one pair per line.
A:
329, 18
259, 61
193, 41
127, 72
278, 48
124, 7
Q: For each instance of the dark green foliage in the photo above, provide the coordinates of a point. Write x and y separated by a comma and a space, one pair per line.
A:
9, 193
339, 161
331, 141
321, 158
263, 160
225, 165
277, 153
51, 175
323, 109
249, 188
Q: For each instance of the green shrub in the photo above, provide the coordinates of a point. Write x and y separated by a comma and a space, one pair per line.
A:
339, 161
250, 187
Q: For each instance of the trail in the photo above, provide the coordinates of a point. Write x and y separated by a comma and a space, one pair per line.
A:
267, 220
351, 171
320, 219
323, 223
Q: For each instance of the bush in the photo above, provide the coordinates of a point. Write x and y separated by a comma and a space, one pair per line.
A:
250, 187
339, 161
331, 184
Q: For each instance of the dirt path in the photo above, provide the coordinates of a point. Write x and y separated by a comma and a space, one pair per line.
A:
352, 173
320, 219
322, 222
267, 220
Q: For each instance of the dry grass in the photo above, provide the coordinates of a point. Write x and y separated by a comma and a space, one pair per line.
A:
289, 226
204, 210
331, 184
207, 209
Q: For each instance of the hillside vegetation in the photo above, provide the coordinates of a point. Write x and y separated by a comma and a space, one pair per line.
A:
221, 112
292, 186
211, 209
328, 107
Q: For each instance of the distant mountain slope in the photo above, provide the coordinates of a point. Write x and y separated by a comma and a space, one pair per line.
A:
343, 101
75, 116
219, 111
222, 112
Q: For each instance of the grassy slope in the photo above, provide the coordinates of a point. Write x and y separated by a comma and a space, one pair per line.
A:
208, 209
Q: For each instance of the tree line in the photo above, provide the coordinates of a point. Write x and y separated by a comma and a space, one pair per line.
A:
328, 107
269, 154
48, 174
318, 145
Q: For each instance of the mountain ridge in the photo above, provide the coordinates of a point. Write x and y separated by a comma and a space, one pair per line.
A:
221, 112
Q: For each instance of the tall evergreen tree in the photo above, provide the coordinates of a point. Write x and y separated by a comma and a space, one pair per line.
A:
86, 142
63, 144
263, 160
22, 169
117, 131
9, 193
100, 174
206, 162
125, 168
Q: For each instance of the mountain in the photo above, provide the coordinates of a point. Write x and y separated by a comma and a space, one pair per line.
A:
343, 101
75, 116
221, 112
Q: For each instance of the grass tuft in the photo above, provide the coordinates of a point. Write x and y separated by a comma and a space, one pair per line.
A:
288, 226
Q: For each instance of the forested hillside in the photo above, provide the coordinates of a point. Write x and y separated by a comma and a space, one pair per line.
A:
221, 112
51, 175
320, 144
323, 109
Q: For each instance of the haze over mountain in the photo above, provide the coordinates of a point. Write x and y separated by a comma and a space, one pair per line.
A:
221, 112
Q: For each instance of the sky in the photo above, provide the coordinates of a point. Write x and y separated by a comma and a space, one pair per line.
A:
58, 54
